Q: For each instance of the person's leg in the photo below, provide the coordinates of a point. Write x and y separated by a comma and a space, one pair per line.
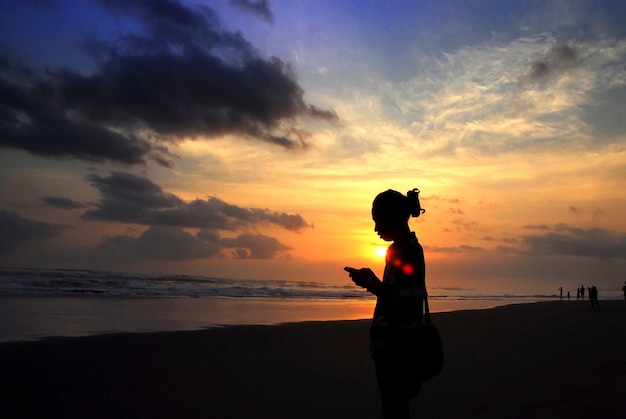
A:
395, 404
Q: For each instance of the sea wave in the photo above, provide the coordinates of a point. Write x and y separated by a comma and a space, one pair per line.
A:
65, 282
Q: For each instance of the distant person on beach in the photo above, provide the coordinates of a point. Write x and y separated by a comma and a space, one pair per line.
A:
401, 295
582, 292
561, 292
624, 289
593, 296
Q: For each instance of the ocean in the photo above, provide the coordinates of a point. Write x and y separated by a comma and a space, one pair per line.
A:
40, 303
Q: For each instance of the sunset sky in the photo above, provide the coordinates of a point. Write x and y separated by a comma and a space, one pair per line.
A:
247, 139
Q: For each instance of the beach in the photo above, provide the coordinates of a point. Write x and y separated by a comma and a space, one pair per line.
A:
536, 360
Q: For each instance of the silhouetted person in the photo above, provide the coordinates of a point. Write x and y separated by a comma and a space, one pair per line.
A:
561, 292
567, 295
400, 300
593, 296
582, 292
624, 289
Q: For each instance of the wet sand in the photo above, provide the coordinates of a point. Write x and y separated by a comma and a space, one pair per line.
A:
539, 360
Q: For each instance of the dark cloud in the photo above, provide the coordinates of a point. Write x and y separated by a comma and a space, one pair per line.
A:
17, 230
260, 8
115, 249
538, 70
32, 119
463, 225
558, 59
62, 203
156, 243
168, 243
175, 244
255, 246
537, 227
455, 249
570, 241
180, 75
133, 199
598, 212
247, 246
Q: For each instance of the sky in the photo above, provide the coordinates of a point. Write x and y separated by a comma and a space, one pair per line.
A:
247, 139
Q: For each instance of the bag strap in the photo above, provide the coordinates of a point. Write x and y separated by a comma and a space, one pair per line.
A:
426, 311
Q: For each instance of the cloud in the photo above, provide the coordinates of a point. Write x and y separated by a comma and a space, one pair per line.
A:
62, 203
559, 58
175, 244
255, 246
260, 8
455, 249
17, 230
31, 119
481, 99
463, 225
565, 240
179, 75
537, 227
160, 243
133, 199
598, 212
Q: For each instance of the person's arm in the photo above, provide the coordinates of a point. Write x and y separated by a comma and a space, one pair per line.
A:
367, 279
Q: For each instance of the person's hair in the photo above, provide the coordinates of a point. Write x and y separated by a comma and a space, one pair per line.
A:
394, 205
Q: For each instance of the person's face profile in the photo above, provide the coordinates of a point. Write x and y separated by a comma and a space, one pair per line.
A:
385, 228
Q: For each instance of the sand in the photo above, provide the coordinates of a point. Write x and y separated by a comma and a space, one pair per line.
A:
541, 360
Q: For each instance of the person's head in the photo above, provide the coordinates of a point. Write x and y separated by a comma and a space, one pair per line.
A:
391, 211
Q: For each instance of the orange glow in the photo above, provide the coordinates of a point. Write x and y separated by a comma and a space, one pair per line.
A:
408, 269
380, 251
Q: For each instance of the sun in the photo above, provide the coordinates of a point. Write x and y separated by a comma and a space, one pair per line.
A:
380, 251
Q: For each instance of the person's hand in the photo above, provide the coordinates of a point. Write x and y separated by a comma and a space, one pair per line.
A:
363, 277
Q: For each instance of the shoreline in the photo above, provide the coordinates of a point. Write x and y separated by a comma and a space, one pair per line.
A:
546, 359
34, 317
